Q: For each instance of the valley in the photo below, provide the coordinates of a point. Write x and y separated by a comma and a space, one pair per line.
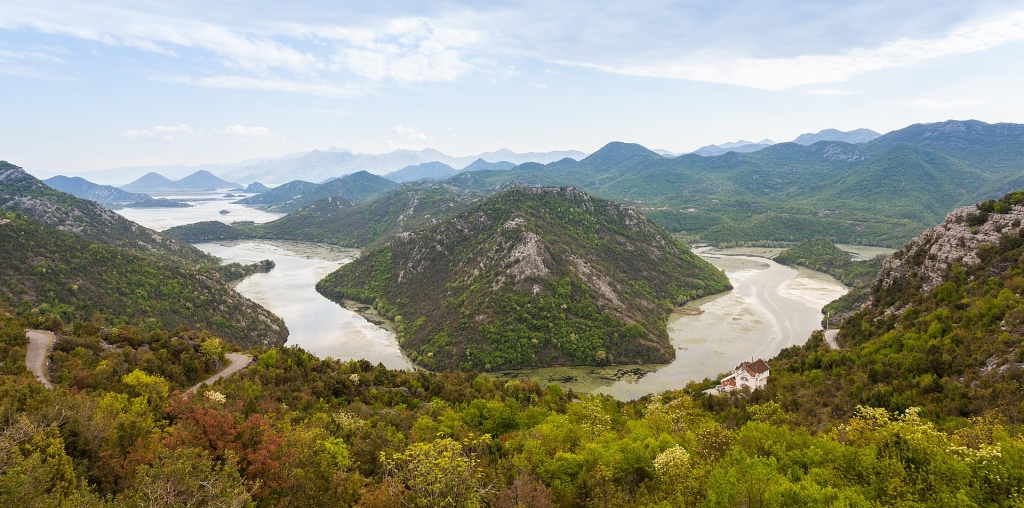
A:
469, 277
771, 307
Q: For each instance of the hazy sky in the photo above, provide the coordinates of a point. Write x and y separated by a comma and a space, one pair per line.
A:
92, 85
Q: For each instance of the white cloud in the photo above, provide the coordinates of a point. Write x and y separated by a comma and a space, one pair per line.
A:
282, 56
242, 131
165, 132
782, 73
349, 50
410, 133
313, 87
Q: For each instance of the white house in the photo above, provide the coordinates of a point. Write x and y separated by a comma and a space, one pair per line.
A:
752, 375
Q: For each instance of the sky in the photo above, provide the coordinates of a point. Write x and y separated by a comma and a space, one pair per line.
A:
89, 85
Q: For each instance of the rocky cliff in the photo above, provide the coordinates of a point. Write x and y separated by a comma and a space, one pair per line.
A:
926, 260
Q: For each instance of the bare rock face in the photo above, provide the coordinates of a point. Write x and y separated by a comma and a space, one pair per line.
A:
956, 241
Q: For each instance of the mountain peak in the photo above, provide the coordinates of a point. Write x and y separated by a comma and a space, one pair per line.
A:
566, 256
854, 136
618, 152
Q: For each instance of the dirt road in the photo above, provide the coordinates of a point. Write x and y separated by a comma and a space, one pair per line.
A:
238, 362
39, 343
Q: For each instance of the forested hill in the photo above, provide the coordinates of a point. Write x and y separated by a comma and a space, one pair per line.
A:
531, 277
359, 187
62, 275
944, 330
24, 194
338, 221
881, 192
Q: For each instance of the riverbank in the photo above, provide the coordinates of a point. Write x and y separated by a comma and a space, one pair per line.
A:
771, 307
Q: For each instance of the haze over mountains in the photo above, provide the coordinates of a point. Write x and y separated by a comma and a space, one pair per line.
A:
198, 181
321, 165
744, 146
880, 193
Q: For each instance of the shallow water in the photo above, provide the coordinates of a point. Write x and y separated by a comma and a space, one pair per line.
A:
315, 323
205, 206
770, 308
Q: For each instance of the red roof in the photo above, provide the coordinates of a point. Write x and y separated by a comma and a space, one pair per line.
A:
754, 368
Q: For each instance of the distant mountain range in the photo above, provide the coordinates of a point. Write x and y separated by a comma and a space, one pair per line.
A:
881, 192
853, 137
108, 195
442, 171
744, 146
318, 165
741, 146
357, 187
424, 171
321, 165
198, 181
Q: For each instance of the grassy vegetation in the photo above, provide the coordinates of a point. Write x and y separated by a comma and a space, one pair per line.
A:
531, 278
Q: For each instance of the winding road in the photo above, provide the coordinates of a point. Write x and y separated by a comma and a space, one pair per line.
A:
830, 338
39, 343
238, 362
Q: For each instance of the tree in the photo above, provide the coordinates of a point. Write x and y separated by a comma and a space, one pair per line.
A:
187, 478
438, 474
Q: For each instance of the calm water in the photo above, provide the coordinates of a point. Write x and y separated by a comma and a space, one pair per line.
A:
772, 307
205, 206
315, 323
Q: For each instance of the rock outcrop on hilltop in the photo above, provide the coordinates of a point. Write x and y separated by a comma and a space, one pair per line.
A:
531, 277
928, 258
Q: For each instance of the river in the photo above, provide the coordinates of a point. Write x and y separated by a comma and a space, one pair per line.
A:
315, 323
770, 308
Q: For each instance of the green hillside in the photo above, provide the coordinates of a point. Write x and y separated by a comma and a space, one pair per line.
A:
339, 222
956, 351
359, 187
207, 231
64, 275
24, 194
531, 277
904, 182
997, 148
